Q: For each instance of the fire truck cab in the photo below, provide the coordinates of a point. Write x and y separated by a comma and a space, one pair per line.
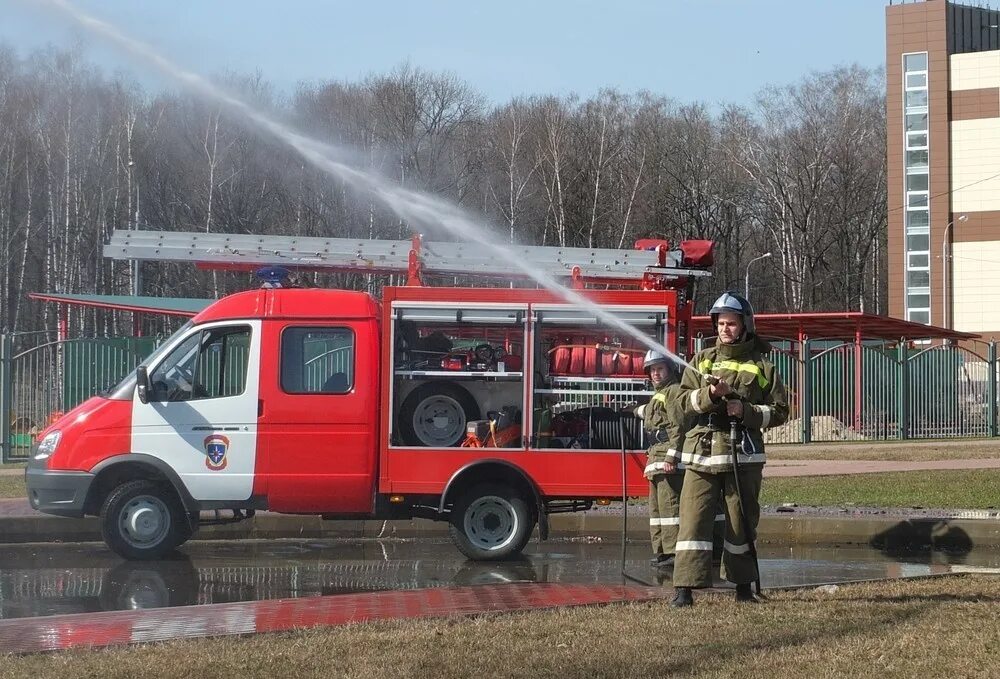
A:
487, 408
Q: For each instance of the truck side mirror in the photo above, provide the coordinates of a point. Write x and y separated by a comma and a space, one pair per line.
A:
142, 383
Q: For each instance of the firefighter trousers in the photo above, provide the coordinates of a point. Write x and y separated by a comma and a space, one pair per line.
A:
699, 497
664, 511
665, 515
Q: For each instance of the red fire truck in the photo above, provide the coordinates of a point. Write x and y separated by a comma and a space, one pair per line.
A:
488, 408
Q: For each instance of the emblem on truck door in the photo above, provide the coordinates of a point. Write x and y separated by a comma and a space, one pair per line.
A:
216, 447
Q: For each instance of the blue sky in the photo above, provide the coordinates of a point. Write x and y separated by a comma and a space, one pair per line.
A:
692, 50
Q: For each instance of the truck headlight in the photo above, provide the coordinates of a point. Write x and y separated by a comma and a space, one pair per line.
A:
47, 446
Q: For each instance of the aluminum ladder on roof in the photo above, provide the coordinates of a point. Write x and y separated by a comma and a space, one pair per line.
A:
390, 256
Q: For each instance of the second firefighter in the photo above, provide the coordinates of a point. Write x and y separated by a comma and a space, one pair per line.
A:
663, 421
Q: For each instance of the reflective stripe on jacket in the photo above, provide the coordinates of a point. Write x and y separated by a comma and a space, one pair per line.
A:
754, 379
663, 412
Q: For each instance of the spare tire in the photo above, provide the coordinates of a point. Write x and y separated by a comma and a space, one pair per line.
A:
435, 415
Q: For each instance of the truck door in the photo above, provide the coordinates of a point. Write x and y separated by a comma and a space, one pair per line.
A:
201, 417
318, 417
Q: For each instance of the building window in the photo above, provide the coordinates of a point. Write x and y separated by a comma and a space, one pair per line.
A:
915, 159
917, 221
917, 278
917, 242
914, 63
916, 122
916, 182
916, 187
916, 140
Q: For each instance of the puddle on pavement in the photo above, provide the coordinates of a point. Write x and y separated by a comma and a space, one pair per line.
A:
38, 580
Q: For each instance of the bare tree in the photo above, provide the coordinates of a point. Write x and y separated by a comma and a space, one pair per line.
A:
801, 173
553, 155
508, 147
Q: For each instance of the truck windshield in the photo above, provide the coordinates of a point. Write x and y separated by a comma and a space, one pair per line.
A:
124, 389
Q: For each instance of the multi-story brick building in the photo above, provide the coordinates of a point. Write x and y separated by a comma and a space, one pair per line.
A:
943, 128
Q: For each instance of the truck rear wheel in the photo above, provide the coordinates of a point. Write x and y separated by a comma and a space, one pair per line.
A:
143, 520
435, 415
491, 522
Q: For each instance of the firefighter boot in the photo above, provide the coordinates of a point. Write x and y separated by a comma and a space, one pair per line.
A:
682, 598
744, 594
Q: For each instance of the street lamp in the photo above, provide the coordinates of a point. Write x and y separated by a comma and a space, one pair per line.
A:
946, 269
746, 281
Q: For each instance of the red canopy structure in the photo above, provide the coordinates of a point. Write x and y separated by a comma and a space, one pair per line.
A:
168, 306
843, 325
854, 329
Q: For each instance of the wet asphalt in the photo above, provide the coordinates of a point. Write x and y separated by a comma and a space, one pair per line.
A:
52, 579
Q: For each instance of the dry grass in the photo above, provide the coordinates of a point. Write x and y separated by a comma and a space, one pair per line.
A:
902, 451
941, 627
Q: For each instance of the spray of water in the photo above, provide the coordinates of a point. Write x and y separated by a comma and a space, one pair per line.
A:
415, 207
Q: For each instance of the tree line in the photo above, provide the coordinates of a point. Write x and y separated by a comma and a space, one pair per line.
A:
799, 172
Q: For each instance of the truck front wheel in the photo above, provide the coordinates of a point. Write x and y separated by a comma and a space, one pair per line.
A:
491, 522
143, 520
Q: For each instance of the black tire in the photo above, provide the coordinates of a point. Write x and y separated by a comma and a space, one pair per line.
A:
491, 522
431, 401
150, 584
154, 513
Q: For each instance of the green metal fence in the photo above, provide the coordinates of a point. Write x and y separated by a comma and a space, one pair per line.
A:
860, 391
837, 391
40, 382
948, 393
853, 393
856, 392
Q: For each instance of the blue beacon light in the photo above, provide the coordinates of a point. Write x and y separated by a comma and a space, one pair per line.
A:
273, 276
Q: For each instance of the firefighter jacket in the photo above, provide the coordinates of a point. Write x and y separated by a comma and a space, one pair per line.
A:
755, 381
662, 418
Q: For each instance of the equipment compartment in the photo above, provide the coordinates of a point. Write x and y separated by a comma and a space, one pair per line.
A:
586, 373
453, 367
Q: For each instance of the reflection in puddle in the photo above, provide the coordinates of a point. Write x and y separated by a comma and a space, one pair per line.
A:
34, 580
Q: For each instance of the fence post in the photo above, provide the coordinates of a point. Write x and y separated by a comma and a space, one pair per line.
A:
903, 389
805, 391
6, 392
991, 390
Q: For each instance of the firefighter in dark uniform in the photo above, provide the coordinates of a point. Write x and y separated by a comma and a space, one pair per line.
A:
662, 419
745, 387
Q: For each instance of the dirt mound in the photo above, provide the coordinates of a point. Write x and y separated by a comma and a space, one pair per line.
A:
824, 428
